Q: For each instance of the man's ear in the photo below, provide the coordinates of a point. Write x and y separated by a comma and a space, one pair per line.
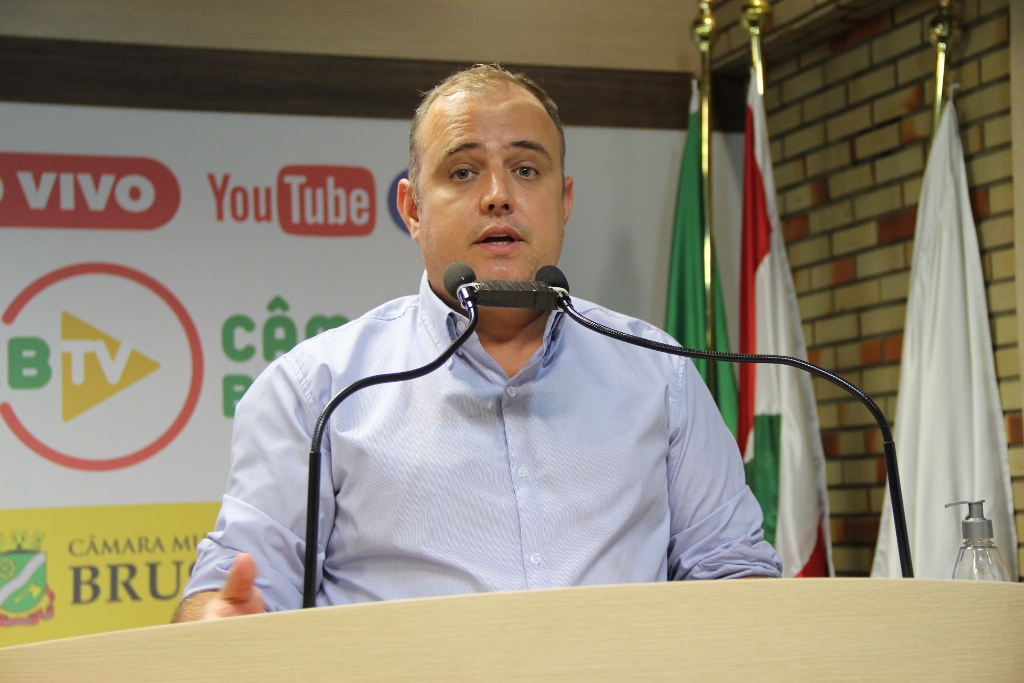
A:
567, 200
408, 209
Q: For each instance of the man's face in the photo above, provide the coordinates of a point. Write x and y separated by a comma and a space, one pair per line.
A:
491, 192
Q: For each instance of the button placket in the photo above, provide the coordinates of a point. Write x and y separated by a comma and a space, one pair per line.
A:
524, 484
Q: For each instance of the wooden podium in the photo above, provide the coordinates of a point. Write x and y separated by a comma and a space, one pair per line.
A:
772, 630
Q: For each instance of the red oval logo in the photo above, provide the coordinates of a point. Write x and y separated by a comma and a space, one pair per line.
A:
76, 191
326, 201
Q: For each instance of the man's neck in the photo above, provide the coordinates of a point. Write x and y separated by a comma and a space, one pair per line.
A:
511, 335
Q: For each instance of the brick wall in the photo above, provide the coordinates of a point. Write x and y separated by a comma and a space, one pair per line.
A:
849, 117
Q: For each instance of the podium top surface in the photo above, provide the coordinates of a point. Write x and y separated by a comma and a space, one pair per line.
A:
773, 629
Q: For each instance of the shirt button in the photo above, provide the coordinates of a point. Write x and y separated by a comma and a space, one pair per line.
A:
523, 472
535, 558
511, 391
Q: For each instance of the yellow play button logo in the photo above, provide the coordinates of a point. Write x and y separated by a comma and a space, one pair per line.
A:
95, 366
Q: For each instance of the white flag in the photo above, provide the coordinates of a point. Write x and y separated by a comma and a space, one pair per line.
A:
950, 437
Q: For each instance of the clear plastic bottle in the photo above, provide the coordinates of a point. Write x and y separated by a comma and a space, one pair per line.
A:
979, 557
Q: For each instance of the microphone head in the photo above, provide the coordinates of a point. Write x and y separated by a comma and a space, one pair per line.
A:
456, 275
552, 277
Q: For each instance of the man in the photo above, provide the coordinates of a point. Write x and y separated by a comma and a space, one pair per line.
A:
541, 455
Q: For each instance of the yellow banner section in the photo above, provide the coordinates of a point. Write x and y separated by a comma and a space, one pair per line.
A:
74, 571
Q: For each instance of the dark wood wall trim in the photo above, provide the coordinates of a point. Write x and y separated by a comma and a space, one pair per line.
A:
122, 75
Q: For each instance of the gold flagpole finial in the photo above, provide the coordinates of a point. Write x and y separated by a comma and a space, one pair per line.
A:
704, 31
755, 16
705, 28
943, 31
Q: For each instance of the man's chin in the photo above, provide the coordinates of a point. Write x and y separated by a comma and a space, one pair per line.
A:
504, 270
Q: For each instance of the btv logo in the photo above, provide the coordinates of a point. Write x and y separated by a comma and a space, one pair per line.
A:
73, 191
95, 366
115, 404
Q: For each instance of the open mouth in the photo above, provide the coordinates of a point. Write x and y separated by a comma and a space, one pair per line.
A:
499, 236
498, 239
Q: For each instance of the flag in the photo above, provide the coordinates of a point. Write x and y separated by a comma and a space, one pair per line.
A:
685, 315
950, 439
778, 419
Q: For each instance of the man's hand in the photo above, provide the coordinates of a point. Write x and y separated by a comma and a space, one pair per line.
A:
236, 598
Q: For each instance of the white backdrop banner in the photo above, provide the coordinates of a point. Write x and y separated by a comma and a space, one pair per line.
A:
154, 262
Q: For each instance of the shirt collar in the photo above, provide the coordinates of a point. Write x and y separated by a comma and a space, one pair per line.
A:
445, 324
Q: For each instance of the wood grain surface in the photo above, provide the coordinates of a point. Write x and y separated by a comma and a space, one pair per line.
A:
778, 630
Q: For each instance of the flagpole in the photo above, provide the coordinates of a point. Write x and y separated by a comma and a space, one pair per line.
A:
942, 32
705, 30
755, 16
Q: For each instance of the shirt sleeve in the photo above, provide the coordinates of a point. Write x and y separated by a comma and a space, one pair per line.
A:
715, 520
264, 510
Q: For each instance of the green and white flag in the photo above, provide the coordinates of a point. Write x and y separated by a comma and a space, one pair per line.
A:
685, 318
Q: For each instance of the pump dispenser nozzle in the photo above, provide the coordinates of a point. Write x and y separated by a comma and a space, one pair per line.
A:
975, 525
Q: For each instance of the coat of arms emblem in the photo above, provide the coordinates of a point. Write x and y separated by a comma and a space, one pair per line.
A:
25, 596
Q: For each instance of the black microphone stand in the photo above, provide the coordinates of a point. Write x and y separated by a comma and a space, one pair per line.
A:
889, 446
468, 301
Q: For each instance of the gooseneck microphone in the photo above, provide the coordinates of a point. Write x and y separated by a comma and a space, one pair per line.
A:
457, 282
556, 281
550, 291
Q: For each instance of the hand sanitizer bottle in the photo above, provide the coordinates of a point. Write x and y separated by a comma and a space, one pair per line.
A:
979, 557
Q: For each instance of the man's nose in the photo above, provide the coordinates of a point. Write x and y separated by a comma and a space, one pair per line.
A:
497, 196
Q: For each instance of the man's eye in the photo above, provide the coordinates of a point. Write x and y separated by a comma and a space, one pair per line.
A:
526, 172
462, 174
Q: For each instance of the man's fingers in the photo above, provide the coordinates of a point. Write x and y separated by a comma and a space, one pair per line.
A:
239, 584
238, 596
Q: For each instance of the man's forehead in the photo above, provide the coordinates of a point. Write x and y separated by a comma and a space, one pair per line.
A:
454, 118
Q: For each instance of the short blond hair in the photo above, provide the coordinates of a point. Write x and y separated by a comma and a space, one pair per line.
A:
478, 78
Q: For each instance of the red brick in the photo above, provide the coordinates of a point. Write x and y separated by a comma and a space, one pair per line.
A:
897, 227
814, 356
867, 29
838, 527
830, 444
795, 227
979, 203
871, 352
1014, 429
909, 131
881, 473
915, 100
892, 348
872, 440
862, 529
819, 191
843, 270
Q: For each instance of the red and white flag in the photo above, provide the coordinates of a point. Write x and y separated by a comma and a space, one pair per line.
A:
778, 419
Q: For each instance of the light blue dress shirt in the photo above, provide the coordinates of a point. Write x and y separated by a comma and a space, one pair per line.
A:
598, 463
